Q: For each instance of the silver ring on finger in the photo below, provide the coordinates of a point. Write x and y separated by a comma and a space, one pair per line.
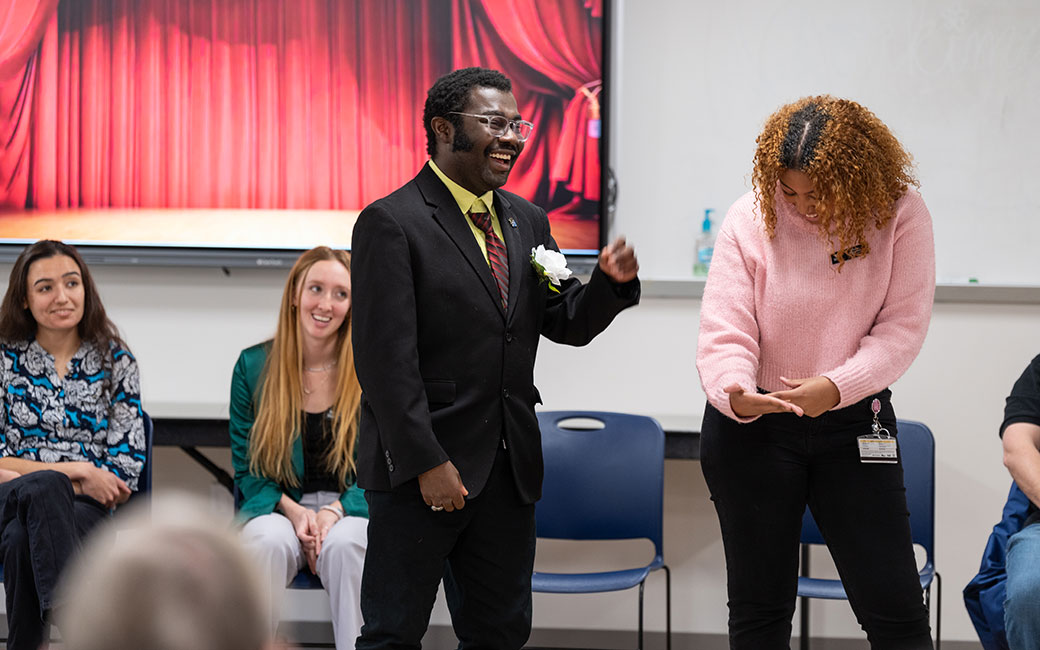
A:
436, 508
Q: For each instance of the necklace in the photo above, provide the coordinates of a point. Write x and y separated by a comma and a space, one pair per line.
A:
323, 368
320, 382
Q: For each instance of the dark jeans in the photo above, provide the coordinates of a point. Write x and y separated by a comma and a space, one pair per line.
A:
484, 552
41, 524
761, 476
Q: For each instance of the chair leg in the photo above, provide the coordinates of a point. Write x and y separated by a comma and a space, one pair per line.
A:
938, 608
938, 611
803, 632
641, 585
668, 606
803, 638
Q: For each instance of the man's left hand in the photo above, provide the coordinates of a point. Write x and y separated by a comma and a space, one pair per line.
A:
442, 487
815, 395
618, 261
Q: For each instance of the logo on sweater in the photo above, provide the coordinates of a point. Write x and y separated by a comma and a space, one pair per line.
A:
849, 253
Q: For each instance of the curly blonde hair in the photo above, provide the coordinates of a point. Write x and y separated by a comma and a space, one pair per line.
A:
857, 167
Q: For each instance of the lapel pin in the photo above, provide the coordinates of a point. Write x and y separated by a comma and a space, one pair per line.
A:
512, 222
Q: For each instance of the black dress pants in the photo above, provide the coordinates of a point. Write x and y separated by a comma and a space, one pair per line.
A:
484, 553
41, 524
761, 476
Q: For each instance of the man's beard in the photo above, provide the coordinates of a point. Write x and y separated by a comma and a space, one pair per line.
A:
461, 142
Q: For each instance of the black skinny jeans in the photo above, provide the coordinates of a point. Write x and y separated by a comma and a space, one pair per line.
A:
41, 524
761, 476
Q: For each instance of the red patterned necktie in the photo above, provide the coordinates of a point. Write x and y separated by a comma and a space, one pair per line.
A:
496, 252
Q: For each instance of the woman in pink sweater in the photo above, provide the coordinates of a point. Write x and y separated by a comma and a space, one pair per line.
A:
818, 298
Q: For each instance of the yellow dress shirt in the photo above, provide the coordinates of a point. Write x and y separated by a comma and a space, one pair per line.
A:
470, 202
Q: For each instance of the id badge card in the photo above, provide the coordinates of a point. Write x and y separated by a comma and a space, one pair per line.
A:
879, 446
878, 449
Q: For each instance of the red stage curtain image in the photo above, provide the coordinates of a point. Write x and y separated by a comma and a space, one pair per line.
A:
22, 25
221, 104
560, 40
280, 104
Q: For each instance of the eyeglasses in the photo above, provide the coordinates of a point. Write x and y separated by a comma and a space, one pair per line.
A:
497, 125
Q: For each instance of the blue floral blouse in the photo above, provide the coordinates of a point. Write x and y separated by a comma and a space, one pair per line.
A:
93, 414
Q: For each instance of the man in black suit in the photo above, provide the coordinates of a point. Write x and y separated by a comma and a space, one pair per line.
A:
448, 310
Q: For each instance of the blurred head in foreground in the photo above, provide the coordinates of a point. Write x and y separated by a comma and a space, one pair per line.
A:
174, 578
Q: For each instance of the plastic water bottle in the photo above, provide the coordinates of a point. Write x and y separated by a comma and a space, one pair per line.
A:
705, 246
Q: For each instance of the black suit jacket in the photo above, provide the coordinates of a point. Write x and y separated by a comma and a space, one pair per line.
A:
446, 373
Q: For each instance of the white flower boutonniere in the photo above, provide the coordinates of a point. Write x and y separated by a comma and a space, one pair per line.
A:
550, 265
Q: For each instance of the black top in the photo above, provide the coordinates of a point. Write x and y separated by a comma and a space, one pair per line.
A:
317, 438
1023, 405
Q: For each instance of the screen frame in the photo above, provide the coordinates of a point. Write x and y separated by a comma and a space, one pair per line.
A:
130, 254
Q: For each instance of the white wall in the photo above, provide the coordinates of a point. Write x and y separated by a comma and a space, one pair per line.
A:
955, 80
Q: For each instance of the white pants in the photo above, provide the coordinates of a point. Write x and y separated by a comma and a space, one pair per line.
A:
273, 540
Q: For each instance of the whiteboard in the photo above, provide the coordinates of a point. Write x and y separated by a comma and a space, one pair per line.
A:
957, 81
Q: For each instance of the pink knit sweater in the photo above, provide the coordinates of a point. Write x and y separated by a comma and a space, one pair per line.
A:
780, 307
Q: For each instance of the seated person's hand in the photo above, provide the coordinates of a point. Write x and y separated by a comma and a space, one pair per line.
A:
103, 486
324, 520
305, 523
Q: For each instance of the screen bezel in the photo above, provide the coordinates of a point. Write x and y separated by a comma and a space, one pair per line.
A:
173, 255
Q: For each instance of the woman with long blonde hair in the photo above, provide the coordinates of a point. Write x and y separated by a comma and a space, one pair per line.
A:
293, 420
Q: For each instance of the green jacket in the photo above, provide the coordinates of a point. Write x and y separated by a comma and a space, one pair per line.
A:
260, 495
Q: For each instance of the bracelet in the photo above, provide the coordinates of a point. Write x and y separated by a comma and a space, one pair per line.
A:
332, 508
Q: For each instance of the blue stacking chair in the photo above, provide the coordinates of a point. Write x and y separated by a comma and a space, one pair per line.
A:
603, 484
144, 482
305, 579
917, 447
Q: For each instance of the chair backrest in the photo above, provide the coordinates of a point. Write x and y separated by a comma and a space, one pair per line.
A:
603, 483
144, 482
917, 448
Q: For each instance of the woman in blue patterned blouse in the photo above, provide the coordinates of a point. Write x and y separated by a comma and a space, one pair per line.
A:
72, 444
